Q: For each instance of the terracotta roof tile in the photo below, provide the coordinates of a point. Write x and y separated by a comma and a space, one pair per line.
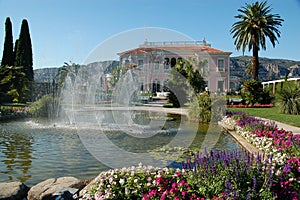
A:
145, 50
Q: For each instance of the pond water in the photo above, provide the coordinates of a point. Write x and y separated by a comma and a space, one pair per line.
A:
34, 150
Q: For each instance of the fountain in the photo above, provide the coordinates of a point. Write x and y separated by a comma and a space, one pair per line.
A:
99, 127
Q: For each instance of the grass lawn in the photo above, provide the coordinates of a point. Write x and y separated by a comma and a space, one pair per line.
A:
270, 113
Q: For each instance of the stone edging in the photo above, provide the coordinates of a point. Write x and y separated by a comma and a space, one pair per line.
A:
66, 188
241, 140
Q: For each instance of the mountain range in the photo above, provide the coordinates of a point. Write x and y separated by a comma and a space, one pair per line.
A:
270, 69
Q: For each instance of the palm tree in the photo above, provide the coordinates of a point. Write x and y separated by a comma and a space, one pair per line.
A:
256, 23
67, 70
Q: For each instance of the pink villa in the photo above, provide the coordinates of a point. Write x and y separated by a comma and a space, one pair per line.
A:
154, 61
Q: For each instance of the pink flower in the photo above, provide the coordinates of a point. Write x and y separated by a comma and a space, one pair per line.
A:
152, 193
183, 193
177, 174
181, 183
173, 190
158, 180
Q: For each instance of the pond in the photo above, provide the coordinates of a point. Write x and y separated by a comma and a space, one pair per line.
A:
33, 150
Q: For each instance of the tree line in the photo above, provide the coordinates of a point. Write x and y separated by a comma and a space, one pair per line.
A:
16, 70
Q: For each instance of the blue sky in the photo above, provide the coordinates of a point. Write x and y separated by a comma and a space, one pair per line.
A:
65, 30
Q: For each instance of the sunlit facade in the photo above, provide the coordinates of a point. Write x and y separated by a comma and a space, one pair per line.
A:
154, 60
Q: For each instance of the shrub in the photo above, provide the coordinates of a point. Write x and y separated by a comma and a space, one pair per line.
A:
289, 99
200, 108
45, 107
206, 108
253, 93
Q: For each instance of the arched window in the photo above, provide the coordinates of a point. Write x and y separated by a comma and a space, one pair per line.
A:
173, 62
167, 63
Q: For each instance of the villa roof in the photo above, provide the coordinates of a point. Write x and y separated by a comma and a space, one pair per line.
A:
184, 48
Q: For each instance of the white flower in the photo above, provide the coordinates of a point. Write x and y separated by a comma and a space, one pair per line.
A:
140, 165
122, 181
278, 172
135, 180
110, 180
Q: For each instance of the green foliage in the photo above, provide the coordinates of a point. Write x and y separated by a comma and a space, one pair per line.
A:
185, 81
8, 54
24, 51
253, 93
177, 88
200, 108
67, 69
289, 99
256, 23
193, 75
15, 49
117, 74
14, 84
206, 108
44, 107
16, 73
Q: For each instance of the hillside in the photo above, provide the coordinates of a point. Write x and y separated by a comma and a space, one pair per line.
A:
269, 68
44, 75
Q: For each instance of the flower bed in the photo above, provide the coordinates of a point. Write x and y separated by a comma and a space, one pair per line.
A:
253, 106
281, 144
211, 175
8, 113
216, 174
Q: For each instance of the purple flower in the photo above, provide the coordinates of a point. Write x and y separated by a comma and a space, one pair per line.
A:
228, 187
254, 183
287, 169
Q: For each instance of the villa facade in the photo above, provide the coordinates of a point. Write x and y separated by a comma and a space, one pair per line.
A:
154, 60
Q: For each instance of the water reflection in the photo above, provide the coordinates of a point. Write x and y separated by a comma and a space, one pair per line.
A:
31, 152
16, 154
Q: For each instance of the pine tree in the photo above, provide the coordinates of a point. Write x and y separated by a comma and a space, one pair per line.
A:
8, 58
24, 51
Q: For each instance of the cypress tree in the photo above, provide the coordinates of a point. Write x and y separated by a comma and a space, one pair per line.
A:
8, 57
15, 49
24, 51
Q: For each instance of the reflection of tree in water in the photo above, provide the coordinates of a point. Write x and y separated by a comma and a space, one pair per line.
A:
16, 150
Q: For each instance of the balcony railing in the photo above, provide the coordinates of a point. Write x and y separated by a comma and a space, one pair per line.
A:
175, 43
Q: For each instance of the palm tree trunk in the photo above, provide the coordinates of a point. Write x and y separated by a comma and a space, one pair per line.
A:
255, 62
